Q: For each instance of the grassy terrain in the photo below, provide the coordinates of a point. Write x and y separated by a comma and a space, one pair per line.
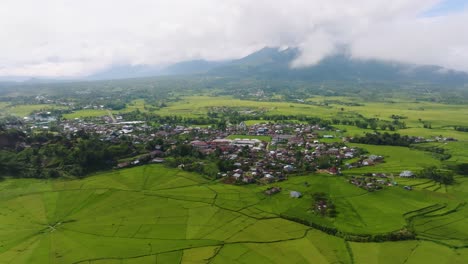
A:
86, 113
134, 105
142, 215
25, 110
456, 149
439, 115
151, 213
396, 159
407, 252
359, 211
193, 106
3, 105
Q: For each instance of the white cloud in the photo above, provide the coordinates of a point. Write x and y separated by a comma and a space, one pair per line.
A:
435, 40
73, 38
315, 48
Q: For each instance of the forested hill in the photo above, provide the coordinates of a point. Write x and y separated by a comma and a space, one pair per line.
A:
273, 63
269, 71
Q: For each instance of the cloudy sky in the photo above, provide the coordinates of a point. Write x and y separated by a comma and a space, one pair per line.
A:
72, 38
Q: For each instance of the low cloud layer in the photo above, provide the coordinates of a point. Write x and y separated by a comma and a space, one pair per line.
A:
68, 38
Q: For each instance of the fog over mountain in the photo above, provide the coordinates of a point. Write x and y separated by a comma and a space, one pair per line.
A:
275, 63
107, 38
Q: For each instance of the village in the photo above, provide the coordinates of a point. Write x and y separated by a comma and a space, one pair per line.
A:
260, 153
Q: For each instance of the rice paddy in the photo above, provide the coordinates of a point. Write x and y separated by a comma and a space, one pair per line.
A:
151, 214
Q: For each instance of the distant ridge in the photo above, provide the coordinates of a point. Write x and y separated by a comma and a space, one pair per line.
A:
272, 63
136, 71
275, 64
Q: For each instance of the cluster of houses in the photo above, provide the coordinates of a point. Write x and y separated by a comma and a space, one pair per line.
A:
365, 161
440, 139
369, 183
280, 132
227, 145
138, 131
272, 190
254, 160
257, 161
40, 120
292, 146
376, 181
433, 139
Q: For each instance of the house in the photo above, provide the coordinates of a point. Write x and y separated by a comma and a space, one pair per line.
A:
272, 190
296, 141
242, 126
374, 157
248, 179
294, 194
221, 142
288, 168
245, 142
262, 130
406, 174
333, 170
123, 165
281, 139
199, 144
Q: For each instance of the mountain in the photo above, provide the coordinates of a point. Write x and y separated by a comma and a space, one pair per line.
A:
125, 72
11, 79
272, 63
137, 71
192, 67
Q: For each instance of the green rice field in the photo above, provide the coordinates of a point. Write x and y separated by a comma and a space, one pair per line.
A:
153, 214
439, 115
25, 110
134, 105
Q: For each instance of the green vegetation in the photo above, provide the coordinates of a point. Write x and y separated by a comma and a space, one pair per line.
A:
132, 106
406, 252
396, 159
86, 113
26, 109
384, 139
153, 213
143, 214
440, 116
437, 175
55, 156
80, 210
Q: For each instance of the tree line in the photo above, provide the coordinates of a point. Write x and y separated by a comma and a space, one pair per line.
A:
385, 138
47, 155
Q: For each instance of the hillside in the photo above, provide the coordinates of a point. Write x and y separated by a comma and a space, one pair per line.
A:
274, 64
271, 63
